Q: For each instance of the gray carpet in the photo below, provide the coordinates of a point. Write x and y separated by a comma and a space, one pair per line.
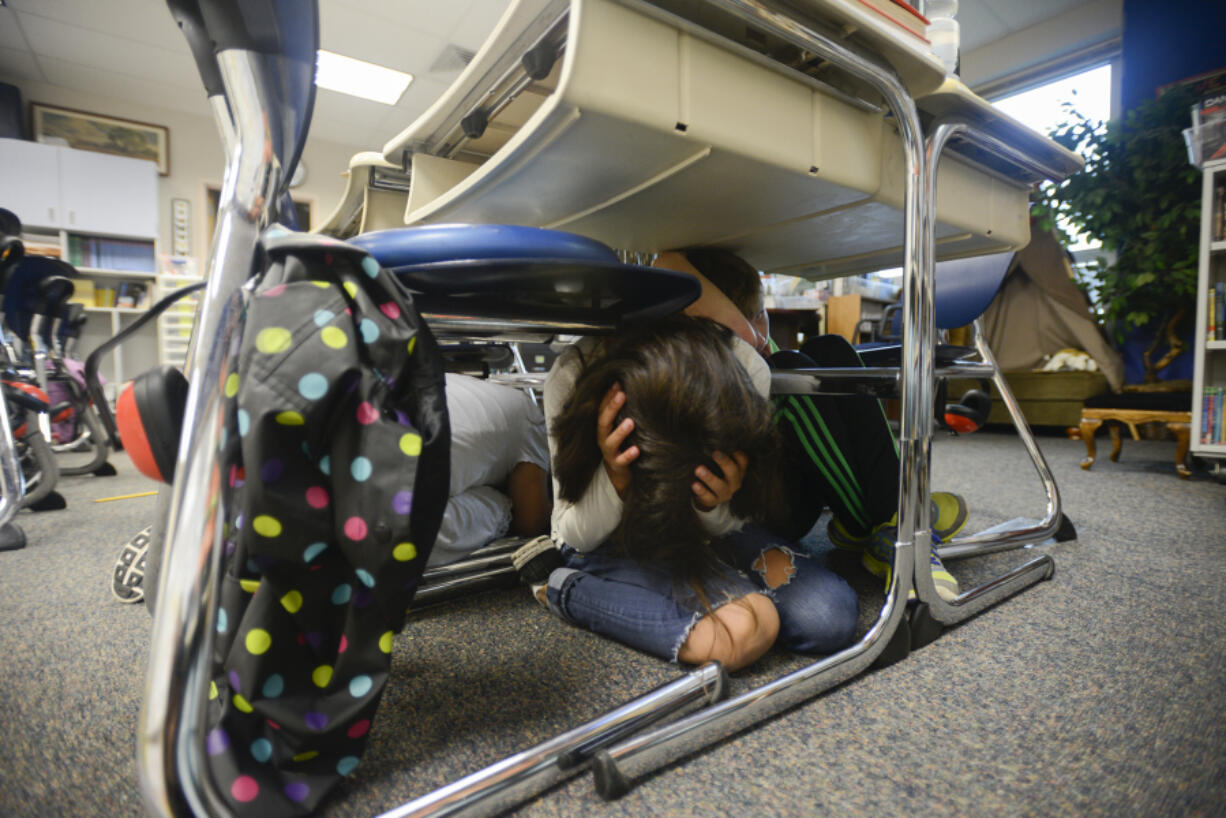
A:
1099, 692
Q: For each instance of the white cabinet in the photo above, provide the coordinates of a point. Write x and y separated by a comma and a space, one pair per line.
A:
29, 182
108, 194
49, 186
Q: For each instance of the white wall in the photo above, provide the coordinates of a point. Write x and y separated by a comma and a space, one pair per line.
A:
196, 158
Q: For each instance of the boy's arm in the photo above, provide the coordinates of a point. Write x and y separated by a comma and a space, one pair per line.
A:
712, 303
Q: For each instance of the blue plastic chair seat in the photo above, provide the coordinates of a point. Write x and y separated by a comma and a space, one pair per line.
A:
525, 273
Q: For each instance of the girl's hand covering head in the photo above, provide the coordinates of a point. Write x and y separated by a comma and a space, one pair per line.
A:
710, 489
610, 436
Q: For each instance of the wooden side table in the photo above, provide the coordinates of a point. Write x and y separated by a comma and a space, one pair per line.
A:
1177, 422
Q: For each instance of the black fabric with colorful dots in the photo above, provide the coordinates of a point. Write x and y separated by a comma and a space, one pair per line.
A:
335, 471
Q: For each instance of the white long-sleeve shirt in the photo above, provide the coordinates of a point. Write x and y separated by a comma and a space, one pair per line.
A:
588, 522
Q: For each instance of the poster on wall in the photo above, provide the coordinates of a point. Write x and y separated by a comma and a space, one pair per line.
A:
104, 134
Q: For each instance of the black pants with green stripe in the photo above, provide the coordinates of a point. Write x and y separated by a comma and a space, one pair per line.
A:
839, 451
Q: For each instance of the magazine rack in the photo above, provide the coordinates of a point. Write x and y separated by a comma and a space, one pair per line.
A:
260, 82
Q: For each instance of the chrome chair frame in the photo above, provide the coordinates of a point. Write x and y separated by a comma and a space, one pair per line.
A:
262, 148
12, 489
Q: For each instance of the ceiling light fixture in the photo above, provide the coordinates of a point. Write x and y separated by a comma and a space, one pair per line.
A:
359, 78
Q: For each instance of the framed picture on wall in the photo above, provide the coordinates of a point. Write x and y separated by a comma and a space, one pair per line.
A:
105, 134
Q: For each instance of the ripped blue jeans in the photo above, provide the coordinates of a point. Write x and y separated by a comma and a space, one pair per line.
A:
642, 605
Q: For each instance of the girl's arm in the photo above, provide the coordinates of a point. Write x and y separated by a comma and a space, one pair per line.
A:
585, 524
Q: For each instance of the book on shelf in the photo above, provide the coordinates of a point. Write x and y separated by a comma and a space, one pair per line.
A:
1211, 315
1212, 430
38, 247
124, 295
111, 254
83, 292
1217, 220
1219, 306
902, 14
1218, 215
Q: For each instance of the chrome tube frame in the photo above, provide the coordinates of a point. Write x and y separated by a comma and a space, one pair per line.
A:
517, 778
38, 352
487, 568
614, 769
170, 743
884, 379
455, 586
495, 555
972, 601
473, 325
1020, 535
12, 487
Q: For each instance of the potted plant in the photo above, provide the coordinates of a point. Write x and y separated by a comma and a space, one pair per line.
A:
1140, 197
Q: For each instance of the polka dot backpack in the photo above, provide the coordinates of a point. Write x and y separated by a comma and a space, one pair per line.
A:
335, 462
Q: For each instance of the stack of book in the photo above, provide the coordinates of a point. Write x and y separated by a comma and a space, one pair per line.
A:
901, 14
1211, 430
128, 295
1216, 312
111, 254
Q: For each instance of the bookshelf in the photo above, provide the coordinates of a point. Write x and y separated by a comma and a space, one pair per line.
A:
1209, 377
175, 325
117, 281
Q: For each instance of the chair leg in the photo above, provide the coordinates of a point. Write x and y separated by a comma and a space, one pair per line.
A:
1117, 440
1182, 441
1088, 427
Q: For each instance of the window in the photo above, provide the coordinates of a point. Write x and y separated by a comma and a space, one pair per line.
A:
1043, 108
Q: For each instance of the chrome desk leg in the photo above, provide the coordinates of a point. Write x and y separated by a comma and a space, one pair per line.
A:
486, 569
972, 601
519, 777
1021, 535
616, 768
269, 99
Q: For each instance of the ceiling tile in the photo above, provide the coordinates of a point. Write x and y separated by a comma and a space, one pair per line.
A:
18, 64
57, 40
100, 82
367, 37
477, 24
429, 16
10, 31
421, 96
147, 21
979, 24
346, 120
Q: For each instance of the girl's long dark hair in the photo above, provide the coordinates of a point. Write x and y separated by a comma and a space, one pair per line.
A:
688, 396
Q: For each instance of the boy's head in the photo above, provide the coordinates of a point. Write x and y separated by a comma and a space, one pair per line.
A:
735, 278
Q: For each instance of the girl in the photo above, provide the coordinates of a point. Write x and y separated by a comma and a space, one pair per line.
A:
664, 447
839, 450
